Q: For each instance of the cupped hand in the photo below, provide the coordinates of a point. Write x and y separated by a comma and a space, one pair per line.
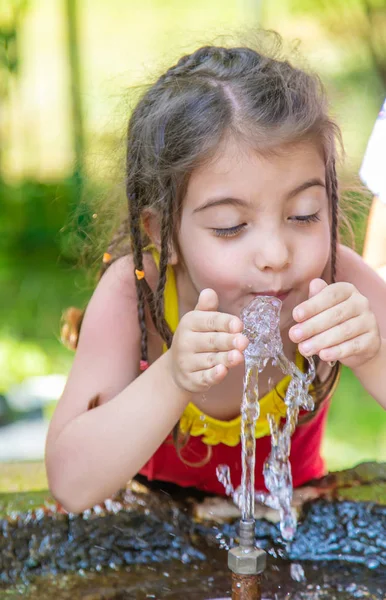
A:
206, 344
336, 323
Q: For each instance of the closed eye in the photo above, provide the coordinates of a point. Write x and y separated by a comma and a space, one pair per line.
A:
229, 231
304, 219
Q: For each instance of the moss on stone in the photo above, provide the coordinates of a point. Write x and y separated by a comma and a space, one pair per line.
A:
23, 477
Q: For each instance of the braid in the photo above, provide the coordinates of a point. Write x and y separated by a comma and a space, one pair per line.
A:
323, 389
144, 291
188, 63
334, 218
213, 61
166, 226
136, 246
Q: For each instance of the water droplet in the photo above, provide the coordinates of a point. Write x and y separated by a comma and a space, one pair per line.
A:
297, 572
372, 562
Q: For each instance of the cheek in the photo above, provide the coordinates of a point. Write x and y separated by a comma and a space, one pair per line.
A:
214, 270
315, 258
209, 267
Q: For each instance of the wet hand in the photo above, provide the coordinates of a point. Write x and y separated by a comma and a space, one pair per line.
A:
336, 323
207, 343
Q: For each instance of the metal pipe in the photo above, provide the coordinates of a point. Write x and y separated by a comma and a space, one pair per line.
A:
247, 533
247, 564
246, 587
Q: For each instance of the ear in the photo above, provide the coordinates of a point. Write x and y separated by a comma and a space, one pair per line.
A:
152, 225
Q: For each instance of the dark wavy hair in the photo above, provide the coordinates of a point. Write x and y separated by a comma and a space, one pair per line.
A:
179, 123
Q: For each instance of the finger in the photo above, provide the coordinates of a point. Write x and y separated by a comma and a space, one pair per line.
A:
208, 360
327, 298
316, 286
336, 335
203, 380
346, 350
215, 321
324, 321
207, 300
214, 341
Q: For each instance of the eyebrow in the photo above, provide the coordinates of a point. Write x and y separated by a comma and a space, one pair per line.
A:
239, 202
304, 186
221, 201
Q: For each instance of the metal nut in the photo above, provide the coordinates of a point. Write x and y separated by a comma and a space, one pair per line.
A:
247, 561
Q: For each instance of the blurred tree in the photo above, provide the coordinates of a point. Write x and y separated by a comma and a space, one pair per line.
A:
75, 87
361, 24
11, 15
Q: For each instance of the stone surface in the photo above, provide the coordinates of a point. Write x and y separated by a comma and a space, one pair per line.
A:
343, 517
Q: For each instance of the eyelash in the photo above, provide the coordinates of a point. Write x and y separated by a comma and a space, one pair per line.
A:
307, 219
233, 231
229, 231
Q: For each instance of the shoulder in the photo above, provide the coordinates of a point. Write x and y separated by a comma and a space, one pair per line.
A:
349, 260
115, 296
352, 268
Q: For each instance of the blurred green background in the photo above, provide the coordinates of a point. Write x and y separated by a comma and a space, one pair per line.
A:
69, 75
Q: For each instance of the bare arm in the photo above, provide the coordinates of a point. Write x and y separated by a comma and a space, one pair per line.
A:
374, 253
353, 269
91, 454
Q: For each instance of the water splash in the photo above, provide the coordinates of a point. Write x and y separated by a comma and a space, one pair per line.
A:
261, 320
297, 572
223, 473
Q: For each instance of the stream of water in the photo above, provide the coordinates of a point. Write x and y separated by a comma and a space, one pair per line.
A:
261, 321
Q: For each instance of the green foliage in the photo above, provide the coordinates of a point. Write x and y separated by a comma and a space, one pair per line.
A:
10, 20
8, 50
43, 218
19, 360
356, 426
360, 25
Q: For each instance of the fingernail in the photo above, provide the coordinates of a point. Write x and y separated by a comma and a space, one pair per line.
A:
233, 356
297, 334
298, 313
306, 346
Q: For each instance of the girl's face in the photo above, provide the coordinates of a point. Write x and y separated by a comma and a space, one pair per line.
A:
252, 225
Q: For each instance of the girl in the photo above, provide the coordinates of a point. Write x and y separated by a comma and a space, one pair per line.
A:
232, 193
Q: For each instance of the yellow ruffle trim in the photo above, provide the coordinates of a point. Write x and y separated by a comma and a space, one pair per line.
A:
214, 431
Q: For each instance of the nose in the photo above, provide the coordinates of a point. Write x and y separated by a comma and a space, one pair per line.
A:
272, 252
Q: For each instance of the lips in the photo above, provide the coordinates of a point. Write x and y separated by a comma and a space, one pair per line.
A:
281, 294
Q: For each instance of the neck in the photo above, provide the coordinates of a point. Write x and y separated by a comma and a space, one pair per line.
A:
187, 293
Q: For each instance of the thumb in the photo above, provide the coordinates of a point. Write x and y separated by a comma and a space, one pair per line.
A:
207, 300
316, 286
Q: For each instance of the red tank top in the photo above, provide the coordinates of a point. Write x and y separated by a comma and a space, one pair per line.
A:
306, 460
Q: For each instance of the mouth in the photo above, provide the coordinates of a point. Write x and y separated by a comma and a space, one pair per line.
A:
280, 294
